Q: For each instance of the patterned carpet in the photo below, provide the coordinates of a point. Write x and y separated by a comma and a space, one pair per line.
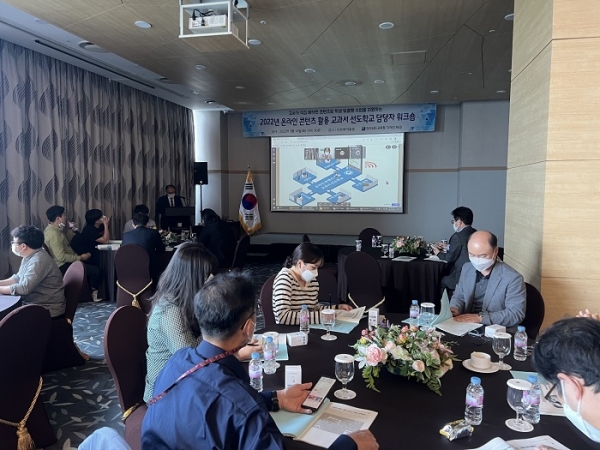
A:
82, 399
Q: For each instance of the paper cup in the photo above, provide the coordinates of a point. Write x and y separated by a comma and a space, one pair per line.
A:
480, 360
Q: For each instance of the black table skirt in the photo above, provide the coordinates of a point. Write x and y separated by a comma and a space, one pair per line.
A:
410, 415
402, 282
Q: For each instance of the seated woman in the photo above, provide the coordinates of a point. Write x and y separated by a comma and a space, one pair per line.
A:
172, 324
296, 285
218, 237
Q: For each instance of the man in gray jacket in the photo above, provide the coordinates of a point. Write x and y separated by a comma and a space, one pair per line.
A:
489, 291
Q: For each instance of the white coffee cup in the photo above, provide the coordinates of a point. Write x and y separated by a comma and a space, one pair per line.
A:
480, 361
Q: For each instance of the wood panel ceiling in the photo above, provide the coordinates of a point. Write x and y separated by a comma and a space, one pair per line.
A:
461, 48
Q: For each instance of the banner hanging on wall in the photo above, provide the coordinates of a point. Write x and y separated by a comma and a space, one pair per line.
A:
336, 121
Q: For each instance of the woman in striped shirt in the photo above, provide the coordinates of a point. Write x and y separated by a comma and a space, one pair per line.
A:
296, 285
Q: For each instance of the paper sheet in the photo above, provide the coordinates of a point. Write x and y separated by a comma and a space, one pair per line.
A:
522, 444
404, 258
292, 424
434, 258
444, 314
345, 321
457, 328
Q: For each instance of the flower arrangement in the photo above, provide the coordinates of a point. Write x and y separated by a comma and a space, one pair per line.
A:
407, 244
169, 237
405, 351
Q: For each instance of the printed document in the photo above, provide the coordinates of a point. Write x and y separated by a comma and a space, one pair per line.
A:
522, 444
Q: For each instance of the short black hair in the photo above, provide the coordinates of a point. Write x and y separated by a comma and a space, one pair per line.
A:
570, 346
464, 214
168, 186
29, 235
209, 216
54, 211
92, 215
140, 208
140, 218
224, 304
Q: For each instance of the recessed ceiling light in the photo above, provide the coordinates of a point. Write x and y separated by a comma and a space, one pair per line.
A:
209, 102
254, 41
240, 87
501, 92
470, 73
509, 17
142, 24
166, 80
86, 45
270, 103
379, 81
492, 31
509, 70
241, 103
386, 25
434, 92
195, 92
41, 22
263, 22
200, 67
309, 70
350, 83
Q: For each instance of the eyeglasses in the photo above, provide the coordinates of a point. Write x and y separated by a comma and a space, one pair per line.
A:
15, 243
454, 221
553, 398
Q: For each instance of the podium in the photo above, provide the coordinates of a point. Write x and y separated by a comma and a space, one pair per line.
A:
180, 218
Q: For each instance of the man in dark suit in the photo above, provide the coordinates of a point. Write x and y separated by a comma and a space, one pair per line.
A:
148, 239
167, 201
457, 254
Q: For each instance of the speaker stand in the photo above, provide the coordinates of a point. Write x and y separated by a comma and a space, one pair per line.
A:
201, 202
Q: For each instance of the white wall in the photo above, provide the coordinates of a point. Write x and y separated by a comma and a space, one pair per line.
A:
463, 162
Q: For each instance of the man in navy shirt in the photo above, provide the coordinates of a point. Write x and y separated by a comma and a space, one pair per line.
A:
215, 406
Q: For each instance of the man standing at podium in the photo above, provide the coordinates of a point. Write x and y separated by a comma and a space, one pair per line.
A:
167, 201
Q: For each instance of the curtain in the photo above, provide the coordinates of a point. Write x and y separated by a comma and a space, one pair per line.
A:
73, 138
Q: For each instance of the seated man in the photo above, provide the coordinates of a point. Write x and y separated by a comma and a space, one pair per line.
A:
488, 291
38, 281
567, 355
215, 406
457, 254
148, 239
138, 209
58, 243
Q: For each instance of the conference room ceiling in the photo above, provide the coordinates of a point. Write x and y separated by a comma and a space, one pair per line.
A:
442, 51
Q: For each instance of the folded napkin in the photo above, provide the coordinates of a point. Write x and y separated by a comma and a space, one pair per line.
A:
434, 258
404, 258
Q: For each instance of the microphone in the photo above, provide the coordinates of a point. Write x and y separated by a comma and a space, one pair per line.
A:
185, 198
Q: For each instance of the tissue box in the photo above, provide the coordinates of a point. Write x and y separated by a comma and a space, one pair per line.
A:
490, 330
296, 339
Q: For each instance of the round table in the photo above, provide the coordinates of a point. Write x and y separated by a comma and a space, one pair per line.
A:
8, 303
409, 414
402, 282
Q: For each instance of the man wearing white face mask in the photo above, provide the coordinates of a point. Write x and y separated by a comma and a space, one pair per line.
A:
568, 355
488, 291
167, 201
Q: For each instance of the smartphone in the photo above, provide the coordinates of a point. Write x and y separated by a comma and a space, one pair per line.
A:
318, 393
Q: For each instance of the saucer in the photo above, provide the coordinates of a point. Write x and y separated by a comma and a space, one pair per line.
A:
492, 369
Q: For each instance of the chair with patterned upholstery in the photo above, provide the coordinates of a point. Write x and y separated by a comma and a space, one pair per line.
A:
125, 344
135, 285
364, 280
23, 339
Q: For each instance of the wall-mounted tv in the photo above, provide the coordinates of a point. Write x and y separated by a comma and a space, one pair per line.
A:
349, 173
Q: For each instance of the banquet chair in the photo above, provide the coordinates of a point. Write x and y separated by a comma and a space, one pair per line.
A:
364, 281
328, 288
134, 282
534, 312
305, 238
23, 339
125, 345
62, 351
266, 301
366, 235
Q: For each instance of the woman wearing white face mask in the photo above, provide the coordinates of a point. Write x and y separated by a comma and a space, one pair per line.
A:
296, 285
568, 355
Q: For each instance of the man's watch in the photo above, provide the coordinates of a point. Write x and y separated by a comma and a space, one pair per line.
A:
274, 402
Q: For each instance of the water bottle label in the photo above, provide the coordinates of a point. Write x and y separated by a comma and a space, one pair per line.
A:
255, 372
520, 342
304, 319
414, 313
269, 355
531, 398
475, 401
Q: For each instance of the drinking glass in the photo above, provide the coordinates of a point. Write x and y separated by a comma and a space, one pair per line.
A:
518, 399
501, 346
385, 250
275, 337
328, 320
344, 371
427, 313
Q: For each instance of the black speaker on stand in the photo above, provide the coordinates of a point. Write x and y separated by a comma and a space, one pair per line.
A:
201, 177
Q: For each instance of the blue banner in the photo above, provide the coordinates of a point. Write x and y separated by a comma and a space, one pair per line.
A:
335, 121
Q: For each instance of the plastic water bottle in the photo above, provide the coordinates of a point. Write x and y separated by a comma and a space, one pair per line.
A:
532, 413
414, 312
304, 319
520, 353
270, 352
256, 372
474, 402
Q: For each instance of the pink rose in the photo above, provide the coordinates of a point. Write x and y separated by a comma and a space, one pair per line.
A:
364, 332
418, 365
374, 355
389, 346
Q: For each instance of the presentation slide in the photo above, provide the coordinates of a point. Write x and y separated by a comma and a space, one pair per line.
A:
350, 173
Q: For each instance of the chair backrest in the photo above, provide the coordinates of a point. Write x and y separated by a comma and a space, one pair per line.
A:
125, 344
266, 301
535, 311
328, 287
23, 336
366, 235
73, 282
132, 264
363, 276
305, 238
241, 252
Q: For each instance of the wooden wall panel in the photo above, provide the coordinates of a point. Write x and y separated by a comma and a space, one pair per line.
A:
576, 19
531, 33
566, 297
